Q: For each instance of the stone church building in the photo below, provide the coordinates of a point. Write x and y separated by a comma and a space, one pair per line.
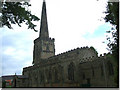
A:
81, 67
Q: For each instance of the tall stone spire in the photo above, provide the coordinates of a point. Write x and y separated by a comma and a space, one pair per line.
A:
44, 46
44, 26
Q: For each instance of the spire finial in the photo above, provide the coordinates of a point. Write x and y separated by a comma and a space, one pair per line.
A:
43, 0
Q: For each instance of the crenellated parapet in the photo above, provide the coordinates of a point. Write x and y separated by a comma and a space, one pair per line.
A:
93, 58
58, 58
73, 50
73, 54
104, 55
51, 39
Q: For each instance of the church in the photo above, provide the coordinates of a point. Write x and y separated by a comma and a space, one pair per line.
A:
81, 67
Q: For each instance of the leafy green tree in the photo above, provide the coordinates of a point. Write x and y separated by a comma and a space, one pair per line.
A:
112, 16
17, 13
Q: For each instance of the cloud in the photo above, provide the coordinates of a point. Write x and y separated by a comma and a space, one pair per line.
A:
73, 23
17, 47
94, 39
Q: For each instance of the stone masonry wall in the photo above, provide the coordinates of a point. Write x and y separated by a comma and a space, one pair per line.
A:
73, 68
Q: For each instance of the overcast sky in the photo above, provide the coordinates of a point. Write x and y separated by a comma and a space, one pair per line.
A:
73, 23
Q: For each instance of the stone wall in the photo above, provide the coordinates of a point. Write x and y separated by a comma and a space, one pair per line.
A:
43, 49
77, 67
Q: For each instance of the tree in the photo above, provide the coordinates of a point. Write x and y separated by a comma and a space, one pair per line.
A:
112, 16
17, 13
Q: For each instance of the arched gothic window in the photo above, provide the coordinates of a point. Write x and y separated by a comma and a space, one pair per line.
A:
110, 68
71, 71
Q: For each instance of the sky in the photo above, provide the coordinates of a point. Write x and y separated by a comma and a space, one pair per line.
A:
73, 23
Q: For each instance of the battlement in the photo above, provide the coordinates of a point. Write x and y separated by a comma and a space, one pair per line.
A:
76, 52
104, 55
69, 55
73, 50
52, 39
49, 39
92, 58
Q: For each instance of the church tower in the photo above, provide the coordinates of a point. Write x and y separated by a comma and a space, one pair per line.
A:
43, 46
